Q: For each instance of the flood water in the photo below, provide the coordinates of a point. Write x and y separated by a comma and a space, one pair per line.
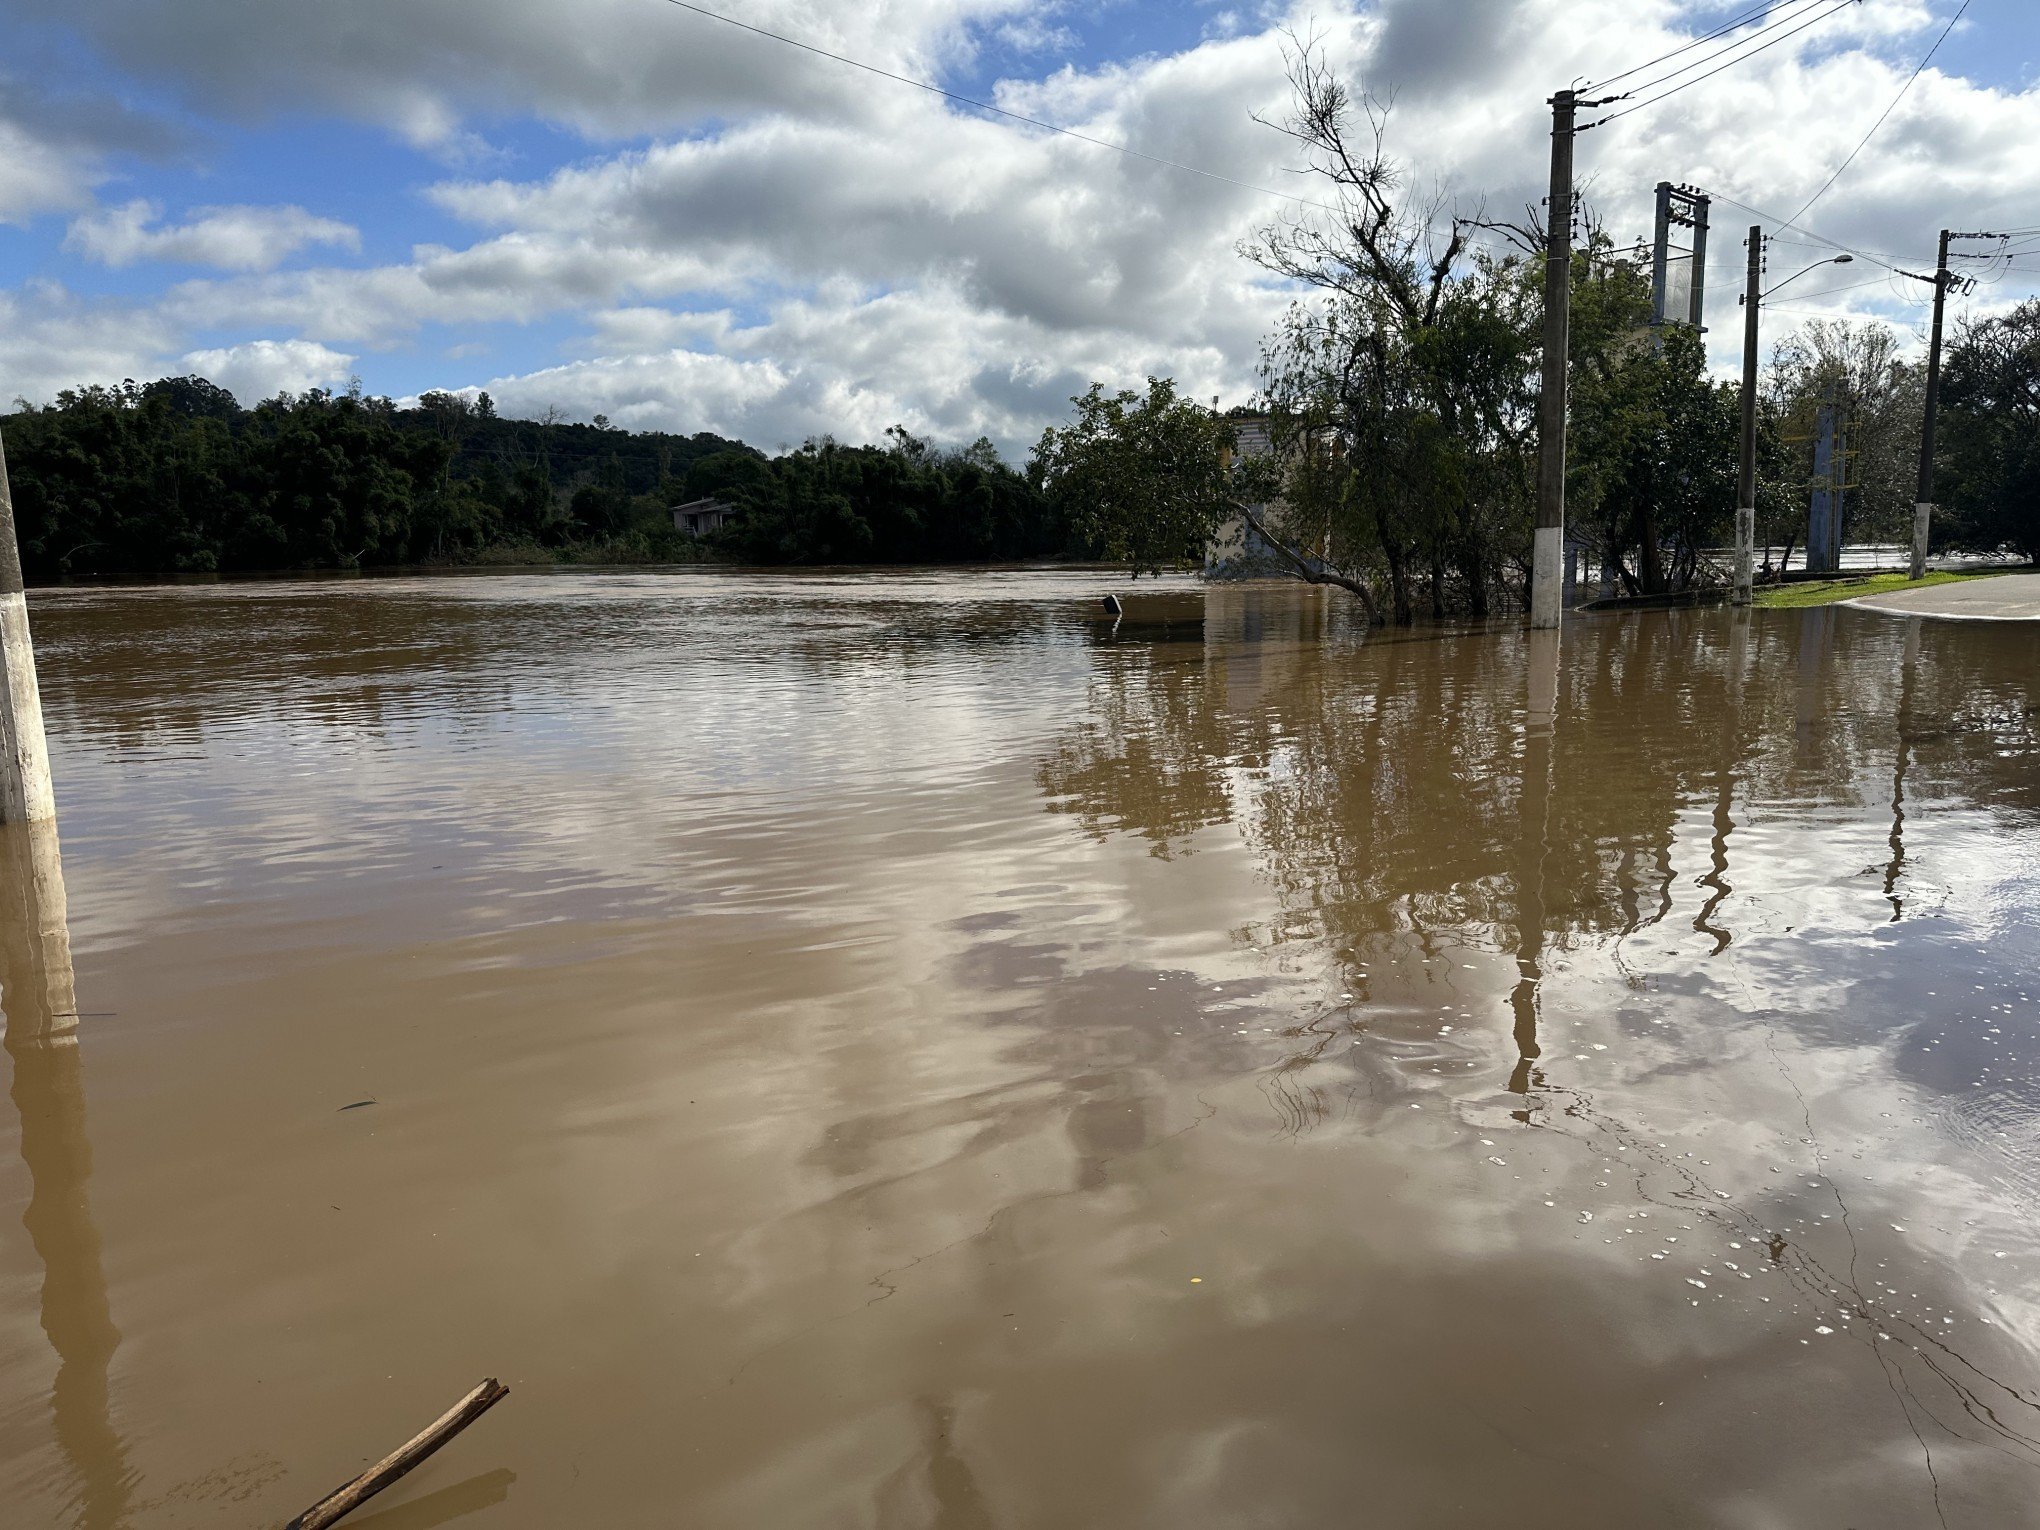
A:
900, 1051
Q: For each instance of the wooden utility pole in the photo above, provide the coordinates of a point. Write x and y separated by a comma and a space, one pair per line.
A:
1547, 570
25, 795
1746, 488
1923, 502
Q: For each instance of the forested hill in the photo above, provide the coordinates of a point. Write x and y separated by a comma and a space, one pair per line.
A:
175, 476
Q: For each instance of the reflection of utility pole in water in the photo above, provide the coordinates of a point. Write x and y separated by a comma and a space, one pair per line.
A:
1540, 727
1716, 881
39, 998
1896, 866
1809, 690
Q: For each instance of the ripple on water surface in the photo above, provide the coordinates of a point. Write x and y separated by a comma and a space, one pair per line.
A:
909, 1049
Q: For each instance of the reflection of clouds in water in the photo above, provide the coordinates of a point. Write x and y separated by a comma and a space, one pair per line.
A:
1354, 831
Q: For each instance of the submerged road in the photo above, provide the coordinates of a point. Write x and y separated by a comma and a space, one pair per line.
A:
2004, 598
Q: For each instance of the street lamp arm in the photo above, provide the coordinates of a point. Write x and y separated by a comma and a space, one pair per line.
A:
1839, 260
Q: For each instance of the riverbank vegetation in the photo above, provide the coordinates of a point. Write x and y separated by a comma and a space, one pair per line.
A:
174, 476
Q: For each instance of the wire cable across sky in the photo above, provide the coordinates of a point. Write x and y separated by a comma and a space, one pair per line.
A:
1464, 229
1756, 13
996, 111
1908, 85
1793, 16
1740, 48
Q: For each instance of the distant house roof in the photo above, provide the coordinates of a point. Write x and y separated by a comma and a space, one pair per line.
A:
699, 506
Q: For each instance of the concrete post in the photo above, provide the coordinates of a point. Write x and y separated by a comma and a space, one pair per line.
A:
1547, 573
25, 792
1746, 491
1823, 530
1923, 502
38, 989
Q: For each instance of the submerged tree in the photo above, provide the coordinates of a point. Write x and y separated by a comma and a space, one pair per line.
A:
1401, 398
1400, 392
1651, 475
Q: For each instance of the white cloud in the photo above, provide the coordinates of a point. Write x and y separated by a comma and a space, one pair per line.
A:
1036, 34
38, 177
605, 67
820, 251
51, 339
846, 364
259, 369
54, 145
230, 238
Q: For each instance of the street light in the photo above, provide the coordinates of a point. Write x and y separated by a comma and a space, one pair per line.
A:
1833, 260
1746, 498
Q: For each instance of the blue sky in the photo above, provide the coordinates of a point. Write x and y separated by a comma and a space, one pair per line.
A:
623, 207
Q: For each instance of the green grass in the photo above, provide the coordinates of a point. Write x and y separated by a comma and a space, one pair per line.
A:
1823, 592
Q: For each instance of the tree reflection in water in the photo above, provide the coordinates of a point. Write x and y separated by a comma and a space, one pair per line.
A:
1456, 791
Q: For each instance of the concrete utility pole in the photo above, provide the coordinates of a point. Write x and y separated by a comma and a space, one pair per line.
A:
1923, 505
1547, 572
25, 795
1746, 488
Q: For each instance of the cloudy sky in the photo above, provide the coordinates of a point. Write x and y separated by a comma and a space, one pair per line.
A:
621, 206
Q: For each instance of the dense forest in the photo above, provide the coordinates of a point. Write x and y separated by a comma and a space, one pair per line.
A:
174, 476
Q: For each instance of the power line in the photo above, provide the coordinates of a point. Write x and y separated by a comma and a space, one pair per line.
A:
1465, 231
1872, 256
997, 111
1754, 13
1719, 53
1809, 244
1808, 297
1814, 21
1908, 85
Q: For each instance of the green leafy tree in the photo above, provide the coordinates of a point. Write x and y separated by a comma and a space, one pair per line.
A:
1989, 440
1652, 458
1143, 478
1878, 397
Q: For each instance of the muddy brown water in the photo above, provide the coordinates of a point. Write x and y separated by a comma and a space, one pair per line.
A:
898, 1051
